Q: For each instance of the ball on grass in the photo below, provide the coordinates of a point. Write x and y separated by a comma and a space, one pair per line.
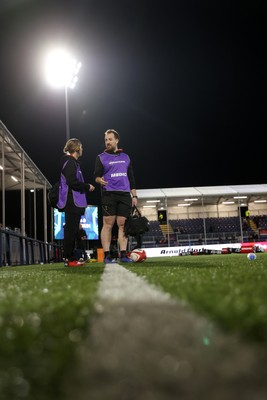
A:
251, 256
138, 255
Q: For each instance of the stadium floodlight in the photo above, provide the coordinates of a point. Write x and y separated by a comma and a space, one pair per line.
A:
61, 71
190, 199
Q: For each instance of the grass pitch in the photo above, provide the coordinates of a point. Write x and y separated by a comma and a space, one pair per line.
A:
44, 314
228, 289
45, 311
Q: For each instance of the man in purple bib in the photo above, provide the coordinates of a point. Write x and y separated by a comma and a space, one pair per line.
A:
114, 172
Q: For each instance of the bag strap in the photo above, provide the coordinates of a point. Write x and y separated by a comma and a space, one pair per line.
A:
135, 211
64, 165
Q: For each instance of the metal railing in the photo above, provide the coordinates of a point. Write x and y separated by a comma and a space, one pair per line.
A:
16, 249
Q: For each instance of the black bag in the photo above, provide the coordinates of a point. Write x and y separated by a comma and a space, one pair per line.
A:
53, 194
136, 223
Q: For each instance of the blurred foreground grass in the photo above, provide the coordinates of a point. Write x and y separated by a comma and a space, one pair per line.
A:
44, 313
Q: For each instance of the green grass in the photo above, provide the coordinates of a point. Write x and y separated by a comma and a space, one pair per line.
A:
44, 313
228, 289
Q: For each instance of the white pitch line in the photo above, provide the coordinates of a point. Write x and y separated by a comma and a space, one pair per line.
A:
121, 285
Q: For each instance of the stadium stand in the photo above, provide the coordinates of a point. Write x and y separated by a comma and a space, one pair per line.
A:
191, 231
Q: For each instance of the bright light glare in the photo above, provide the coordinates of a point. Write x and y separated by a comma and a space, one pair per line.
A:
61, 69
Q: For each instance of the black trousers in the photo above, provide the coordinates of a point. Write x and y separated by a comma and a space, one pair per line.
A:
71, 228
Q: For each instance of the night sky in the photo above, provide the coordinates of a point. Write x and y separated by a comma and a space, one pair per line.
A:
183, 82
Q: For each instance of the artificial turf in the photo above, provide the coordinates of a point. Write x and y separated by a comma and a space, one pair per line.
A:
228, 289
45, 311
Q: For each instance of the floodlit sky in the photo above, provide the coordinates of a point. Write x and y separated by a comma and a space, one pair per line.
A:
183, 82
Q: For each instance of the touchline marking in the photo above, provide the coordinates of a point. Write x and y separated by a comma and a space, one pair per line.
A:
118, 284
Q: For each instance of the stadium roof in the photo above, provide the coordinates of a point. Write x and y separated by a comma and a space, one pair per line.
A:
18, 168
208, 195
18, 172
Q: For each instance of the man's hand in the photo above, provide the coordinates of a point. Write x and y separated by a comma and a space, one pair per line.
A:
134, 201
101, 181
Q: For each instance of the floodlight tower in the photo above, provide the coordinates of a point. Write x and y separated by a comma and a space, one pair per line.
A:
62, 72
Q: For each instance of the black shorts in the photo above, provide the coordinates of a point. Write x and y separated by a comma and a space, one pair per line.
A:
116, 203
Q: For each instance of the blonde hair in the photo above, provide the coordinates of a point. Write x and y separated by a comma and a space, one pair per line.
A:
72, 145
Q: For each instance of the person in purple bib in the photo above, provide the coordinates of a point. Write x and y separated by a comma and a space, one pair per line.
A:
114, 172
72, 197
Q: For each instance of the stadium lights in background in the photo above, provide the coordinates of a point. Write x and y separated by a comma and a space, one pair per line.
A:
61, 71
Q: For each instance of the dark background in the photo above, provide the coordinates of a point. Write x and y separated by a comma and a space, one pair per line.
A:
184, 83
